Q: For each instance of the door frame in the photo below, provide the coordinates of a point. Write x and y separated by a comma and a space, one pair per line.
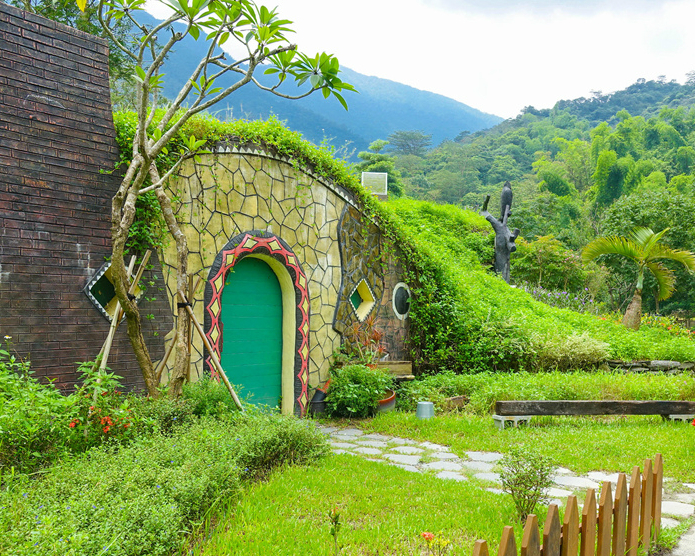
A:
295, 310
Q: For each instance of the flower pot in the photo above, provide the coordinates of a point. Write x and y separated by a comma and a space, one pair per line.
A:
388, 403
317, 406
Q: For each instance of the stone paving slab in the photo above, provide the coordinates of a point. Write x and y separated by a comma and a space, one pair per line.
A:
410, 468
407, 450
686, 498
451, 475
442, 465
479, 465
432, 446
343, 445
558, 492
368, 451
377, 436
402, 441
402, 458
669, 507
444, 455
601, 477
491, 477
686, 545
371, 443
485, 456
349, 432
576, 482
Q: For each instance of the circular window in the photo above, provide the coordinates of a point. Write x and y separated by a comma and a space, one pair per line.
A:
401, 300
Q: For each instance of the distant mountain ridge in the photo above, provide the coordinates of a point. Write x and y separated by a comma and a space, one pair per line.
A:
381, 107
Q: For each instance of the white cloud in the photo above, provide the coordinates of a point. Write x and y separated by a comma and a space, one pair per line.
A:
499, 56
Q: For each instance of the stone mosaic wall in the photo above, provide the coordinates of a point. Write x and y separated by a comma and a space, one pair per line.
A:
241, 189
360, 251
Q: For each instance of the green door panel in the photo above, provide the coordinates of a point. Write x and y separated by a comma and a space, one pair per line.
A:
252, 328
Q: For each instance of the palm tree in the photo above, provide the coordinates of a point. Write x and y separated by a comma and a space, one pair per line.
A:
644, 248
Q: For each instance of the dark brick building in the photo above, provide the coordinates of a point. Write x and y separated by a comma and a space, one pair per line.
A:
56, 137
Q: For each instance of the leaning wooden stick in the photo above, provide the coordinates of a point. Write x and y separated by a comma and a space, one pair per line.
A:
160, 368
118, 312
106, 348
213, 357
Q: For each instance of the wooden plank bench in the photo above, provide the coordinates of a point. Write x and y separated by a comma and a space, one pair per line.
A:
517, 412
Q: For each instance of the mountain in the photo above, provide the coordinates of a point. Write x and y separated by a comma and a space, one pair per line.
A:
380, 108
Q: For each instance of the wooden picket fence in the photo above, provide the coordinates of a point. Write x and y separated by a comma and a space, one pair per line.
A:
618, 528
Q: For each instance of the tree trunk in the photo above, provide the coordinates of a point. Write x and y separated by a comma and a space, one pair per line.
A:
179, 371
633, 314
122, 215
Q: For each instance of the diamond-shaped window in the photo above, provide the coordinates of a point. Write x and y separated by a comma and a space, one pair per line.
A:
102, 293
362, 300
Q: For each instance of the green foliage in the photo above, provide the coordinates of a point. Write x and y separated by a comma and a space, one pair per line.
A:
266, 441
547, 263
208, 397
526, 474
33, 428
355, 390
148, 496
483, 390
573, 352
140, 499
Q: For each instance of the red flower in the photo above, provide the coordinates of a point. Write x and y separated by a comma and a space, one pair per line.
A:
693, 423
106, 428
126, 425
427, 536
73, 423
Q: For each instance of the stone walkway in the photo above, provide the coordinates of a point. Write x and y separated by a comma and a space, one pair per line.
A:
426, 457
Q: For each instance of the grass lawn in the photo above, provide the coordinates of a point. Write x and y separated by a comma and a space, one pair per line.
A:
581, 444
384, 509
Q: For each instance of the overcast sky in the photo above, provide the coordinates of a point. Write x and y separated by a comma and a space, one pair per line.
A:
501, 55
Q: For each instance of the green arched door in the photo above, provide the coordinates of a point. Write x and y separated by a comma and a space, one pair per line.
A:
252, 328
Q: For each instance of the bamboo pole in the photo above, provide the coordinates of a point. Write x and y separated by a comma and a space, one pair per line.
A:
213, 356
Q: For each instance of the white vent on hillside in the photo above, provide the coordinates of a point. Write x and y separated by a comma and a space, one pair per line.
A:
376, 182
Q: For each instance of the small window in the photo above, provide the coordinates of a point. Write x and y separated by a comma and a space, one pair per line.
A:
362, 300
401, 300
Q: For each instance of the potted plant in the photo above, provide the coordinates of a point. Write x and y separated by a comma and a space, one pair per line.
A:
357, 390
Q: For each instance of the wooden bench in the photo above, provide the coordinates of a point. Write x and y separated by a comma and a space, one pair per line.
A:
516, 412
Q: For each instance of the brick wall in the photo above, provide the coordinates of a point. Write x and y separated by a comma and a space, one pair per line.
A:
56, 135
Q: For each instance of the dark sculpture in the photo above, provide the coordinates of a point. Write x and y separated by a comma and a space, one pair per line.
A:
504, 239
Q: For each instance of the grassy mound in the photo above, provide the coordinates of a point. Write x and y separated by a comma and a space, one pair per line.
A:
466, 318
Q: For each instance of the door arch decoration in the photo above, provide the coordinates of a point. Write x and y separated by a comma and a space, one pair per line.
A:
282, 260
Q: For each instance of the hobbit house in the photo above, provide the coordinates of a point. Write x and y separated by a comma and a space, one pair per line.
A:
289, 264
287, 260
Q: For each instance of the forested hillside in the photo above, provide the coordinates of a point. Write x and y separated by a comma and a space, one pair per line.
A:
575, 179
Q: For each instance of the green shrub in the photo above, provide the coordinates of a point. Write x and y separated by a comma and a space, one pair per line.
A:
355, 390
267, 441
140, 499
208, 397
148, 496
33, 420
526, 475
573, 352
